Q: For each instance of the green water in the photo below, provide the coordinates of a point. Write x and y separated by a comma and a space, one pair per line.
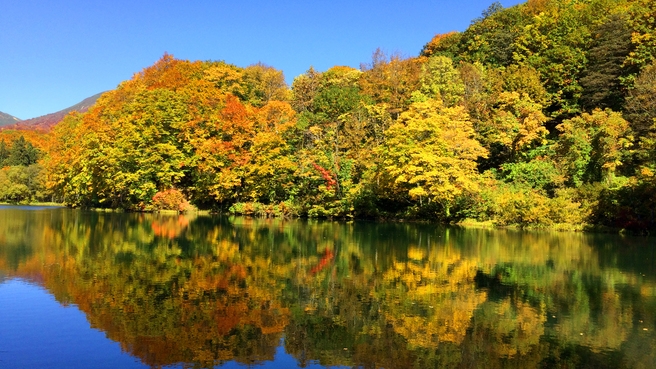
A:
143, 290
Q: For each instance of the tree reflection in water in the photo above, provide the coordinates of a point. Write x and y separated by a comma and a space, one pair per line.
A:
201, 291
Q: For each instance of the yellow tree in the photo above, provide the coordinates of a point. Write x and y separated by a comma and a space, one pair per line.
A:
430, 155
271, 166
515, 124
263, 84
390, 81
442, 81
593, 146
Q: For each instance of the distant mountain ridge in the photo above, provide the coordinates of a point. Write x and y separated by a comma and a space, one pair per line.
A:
6, 119
46, 122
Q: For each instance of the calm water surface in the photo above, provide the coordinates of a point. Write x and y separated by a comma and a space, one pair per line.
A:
92, 290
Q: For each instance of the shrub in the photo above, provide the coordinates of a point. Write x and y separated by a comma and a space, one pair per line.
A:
257, 209
171, 199
526, 207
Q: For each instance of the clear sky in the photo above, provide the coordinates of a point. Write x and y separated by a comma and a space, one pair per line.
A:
55, 53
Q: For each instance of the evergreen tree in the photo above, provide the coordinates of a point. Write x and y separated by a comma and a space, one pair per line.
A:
4, 153
22, 153
602, 80
640, 108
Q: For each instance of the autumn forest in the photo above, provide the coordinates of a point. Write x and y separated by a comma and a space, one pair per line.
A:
538, 115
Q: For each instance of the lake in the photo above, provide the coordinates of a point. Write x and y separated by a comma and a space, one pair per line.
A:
85, 289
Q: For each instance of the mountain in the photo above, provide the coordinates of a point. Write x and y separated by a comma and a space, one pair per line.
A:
6, 119
46, 122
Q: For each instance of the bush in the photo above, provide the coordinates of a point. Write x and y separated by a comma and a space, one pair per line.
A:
171, 199
631, 207
529, 208
538, 174
257, 209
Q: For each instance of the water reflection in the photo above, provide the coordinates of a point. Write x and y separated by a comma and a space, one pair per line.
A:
204, 291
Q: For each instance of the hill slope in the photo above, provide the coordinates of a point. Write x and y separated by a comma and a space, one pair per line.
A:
6, 119
46, 122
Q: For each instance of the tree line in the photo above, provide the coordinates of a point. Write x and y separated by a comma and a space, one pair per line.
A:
541, 114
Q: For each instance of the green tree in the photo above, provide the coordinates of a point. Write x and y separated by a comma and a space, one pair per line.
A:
555, 43
331, 150
491, 38
22, 184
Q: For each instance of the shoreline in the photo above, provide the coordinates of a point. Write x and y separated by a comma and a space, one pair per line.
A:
466, 223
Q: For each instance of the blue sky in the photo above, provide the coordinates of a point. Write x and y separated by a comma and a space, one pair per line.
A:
54, 53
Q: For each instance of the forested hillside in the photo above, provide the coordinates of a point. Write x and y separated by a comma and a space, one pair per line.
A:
537, 115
